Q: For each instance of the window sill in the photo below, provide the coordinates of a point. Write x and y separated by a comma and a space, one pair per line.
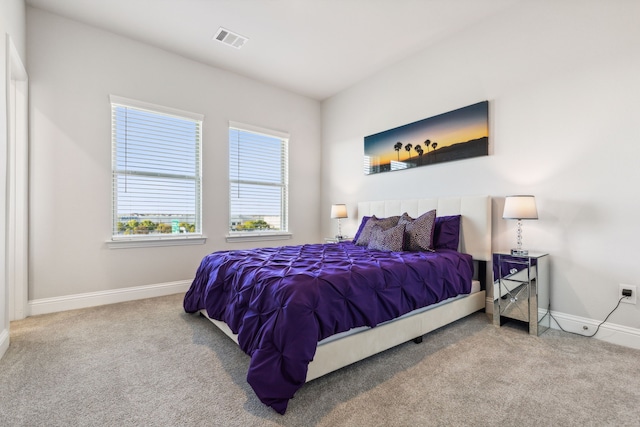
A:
147, 242
257, 237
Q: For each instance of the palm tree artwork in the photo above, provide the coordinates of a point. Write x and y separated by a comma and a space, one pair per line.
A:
460, 134
420, 152
427, 144
398, 147
408, 147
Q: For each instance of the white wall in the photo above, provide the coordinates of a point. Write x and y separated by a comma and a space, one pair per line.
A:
562, 79
73, 68
12, 24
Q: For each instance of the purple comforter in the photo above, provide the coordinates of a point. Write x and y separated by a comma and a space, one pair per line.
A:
282, 301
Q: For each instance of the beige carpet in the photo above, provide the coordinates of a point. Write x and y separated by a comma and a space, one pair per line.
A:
148, 363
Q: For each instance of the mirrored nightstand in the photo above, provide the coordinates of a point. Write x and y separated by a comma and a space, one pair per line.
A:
521, 290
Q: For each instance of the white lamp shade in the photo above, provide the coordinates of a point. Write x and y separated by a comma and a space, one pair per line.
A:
338, 211
520, 207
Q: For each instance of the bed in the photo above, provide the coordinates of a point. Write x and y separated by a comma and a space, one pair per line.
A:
303, 311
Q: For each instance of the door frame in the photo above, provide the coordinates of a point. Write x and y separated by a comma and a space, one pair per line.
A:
17, 215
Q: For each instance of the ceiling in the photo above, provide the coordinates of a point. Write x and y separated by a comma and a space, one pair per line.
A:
312, 47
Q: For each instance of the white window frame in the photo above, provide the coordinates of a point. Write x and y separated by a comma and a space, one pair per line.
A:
239, 236
133, 241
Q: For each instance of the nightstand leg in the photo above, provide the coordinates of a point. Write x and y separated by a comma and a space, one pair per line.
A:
533, 307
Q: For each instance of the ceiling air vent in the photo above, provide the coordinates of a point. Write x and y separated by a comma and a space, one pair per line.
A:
230, 38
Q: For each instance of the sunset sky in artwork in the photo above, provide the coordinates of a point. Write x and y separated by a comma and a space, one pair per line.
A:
460, 125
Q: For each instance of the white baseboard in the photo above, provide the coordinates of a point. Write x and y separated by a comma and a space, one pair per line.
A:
92, 299
489, 305
4, 342
609, 332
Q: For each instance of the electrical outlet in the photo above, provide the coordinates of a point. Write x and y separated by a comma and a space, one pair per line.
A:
634, 292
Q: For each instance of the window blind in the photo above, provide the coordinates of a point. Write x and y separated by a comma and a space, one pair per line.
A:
156, 170
258, 180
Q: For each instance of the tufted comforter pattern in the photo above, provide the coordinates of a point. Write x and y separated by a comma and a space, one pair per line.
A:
281, 301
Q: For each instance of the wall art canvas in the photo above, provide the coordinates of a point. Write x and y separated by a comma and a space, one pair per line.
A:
458, 134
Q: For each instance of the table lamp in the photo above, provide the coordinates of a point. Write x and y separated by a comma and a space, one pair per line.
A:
339, 211
520, 207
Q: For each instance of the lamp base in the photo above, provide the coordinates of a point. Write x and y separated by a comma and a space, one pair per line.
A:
519, 252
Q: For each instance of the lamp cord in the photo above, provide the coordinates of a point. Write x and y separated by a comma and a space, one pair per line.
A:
575, 333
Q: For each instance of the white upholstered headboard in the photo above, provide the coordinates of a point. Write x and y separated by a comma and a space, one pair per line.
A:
475, 230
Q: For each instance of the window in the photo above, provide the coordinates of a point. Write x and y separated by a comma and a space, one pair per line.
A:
258, 181
156, 171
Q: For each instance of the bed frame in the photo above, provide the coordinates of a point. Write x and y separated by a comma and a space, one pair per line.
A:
475, 239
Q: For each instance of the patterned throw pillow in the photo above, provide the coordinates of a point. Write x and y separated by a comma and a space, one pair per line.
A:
419, 231
387, 240
384, 223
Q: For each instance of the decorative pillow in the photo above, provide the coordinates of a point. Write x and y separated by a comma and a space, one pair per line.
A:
446, 233
385, 223
387, 240
362, 224
419, 231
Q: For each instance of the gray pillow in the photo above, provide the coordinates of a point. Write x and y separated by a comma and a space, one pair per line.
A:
419, 231
384, 223
387, 240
